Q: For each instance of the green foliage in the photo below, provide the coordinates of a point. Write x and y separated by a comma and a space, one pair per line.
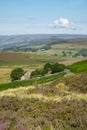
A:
38, 73
16, 74
78, 67
34, 73
57, 68
54, 68
47, 67
30, 82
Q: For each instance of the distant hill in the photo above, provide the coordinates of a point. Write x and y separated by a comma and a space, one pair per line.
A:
14, 41
46, 44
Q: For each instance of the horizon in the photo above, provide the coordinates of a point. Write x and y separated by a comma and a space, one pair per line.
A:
60, 35
22, 17
44, 34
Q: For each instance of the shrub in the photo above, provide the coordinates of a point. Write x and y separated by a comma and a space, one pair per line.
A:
16, 74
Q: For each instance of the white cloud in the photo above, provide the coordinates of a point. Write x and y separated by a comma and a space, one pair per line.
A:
62, 23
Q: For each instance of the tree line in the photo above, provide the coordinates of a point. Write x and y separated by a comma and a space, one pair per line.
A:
48, 68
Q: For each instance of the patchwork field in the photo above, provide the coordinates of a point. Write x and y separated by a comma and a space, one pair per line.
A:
52, 46
76, 47
72, 49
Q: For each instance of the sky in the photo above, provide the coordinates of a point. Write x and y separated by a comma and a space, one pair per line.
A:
43, 17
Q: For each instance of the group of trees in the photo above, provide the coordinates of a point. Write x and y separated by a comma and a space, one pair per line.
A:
66, 53
38, 73
17, 73
48, 68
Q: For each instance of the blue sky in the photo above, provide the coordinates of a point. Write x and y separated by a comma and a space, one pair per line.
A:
43, 16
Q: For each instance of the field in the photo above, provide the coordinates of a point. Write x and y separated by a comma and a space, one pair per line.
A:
28, 61
13, 59
65, 49
5, 75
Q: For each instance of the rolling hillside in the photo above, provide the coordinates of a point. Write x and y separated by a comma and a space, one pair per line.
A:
28, 61
48, 103
19, 40
57, 105
56, 45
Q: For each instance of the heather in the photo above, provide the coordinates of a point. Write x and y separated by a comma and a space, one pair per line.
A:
51, 106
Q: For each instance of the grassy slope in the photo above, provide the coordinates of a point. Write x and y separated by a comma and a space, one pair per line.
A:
78, 67
5, 75
30, 82
57, 105
28, 61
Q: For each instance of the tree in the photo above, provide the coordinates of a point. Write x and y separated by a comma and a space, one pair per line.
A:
70, 53
38, 72
16, 74
47, 67
57, 68
64, 54
34, 73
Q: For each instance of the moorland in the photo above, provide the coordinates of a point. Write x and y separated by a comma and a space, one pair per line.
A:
53, 102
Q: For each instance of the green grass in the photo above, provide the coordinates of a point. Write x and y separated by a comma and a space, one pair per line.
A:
78, 67
30, 82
